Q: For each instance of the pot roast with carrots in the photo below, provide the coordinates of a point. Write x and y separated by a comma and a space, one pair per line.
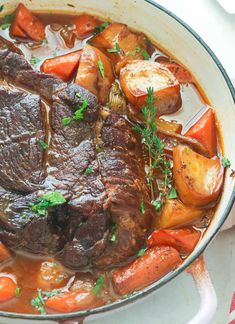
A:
105, 186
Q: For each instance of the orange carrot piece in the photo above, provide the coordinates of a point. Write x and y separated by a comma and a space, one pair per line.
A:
181, 74
153, 265
62, 66
85, 25
183, 240
7, 288
4, 253
205, 132
29, 24
72, 301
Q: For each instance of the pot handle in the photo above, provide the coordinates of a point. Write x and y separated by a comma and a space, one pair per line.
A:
206, 291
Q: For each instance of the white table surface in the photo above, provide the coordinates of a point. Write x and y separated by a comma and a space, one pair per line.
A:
177, 302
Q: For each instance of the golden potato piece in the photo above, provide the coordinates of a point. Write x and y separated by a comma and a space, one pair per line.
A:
138, 75
198, 180
175, 214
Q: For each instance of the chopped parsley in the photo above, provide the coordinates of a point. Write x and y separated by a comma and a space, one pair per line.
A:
141, 252
138, 49
52, 293
56, 52
79, 113
113, 237
66, 121
1, 8
51, 199
100, 28
142, 209
77, 94
17, 292
98, 285
44, 145
89, 170
225, 162
34, 60
101, 67
44, 41
157, 204
7, 20
115, 49
145, 55
23, 215
173, 193
39, 303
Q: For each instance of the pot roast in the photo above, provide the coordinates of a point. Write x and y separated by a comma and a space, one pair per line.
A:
98, 202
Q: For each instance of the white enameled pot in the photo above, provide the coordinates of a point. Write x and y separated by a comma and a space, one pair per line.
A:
182, 42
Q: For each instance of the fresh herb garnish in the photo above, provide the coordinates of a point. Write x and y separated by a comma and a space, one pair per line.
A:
127, 53
101, 67
39, 303
44, 145
141, 252
142, 209
44, 41
155, 148
145, 55
188, 150
51, 199
173, 194
23, 215
48, 294
56, 52
100, 28
1, 8
98, 285
79, 113
89, 170
17, 292
225, 162
66, 121
97, 148
113, 237
138, 49
7, 20
115, 49
34, 60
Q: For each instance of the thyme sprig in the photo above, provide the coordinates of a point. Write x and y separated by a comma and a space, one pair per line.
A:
157, 160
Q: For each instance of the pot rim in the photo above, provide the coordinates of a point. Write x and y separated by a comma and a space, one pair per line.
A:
167, 278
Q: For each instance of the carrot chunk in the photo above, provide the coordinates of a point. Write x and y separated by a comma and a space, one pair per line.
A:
85, 25
7, 288
181, 74
4, 253
73, 301
183, 240
153, 265
62, 66
25, 25
205, 132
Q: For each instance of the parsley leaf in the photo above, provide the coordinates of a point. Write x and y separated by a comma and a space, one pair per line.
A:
66, 121
145, 55
100, 28
101, 67
89, 170
43, 144
6, 22
48, 200
173, 194
98, 285
225, 162
157, 204
141, 252
17, 292
23, 215
142, 209
34, 60
116, 49
79, 113
1, 8
113, 238
39, 303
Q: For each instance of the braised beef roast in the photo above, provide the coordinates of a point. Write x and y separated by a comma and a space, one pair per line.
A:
100, 203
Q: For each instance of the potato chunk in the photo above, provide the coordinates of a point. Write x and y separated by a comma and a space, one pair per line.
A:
95, 73
130, 45
175, 214
198, 179
137, 76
